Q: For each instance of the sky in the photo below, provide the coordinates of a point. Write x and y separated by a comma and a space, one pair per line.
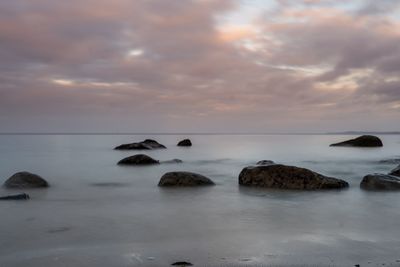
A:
238, 66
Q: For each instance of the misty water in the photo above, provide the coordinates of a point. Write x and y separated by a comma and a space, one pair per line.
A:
97, 213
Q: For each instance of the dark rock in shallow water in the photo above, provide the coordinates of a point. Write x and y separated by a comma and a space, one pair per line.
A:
182, 263
25, 180
379, 181
265, 162
184, 179
185, 142
147, 144
362, 141
287, 177
16, 197
396, 171
139, 159
172, 161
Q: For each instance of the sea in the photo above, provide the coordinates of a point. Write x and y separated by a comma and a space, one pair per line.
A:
97, 213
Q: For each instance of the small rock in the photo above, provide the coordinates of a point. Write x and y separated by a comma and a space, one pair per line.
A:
25, 180
265, 162
379, 181
182, 263
184, 179
173, 161
362, 141
396, 171
147, 144
139, 159
185, 142
16, 197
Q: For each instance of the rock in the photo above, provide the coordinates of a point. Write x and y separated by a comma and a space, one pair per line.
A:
25, 180
144, 145
185, 142
362, 141
16, 197
182, 263
287, 177
265, 162
139, 159
395, 171
184, 179
379, 181
172, 161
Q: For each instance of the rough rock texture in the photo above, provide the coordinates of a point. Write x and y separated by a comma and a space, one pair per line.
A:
265, 162
25, 180
22, 196
379, 181
396, 171
287, 177
362, 141
144, 145
139, 159
184, 179
185, 142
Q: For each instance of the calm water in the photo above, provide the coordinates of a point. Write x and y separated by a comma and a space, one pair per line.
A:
80, 221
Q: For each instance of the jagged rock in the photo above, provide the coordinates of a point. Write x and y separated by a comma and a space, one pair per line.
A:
185, 142
139, 159
395, 171
379, 181
147, 144
184, 179
265, 162
362, 141
16, 197
287, 177
25, 180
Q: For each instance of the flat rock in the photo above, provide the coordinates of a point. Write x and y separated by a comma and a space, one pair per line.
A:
362, 141
185, 142
265, 162
182, 263
184, 179
378, 181
287, 177
25, 180
139, 159
147, 144
22, 196
395, 171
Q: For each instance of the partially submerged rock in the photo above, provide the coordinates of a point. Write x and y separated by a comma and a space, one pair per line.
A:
182, 263
25, 180
395, 171
379, 181
139, 159
265, 162
362, 141
147, 144
184, 179
287, 177
185, 142
172, 161
22, 196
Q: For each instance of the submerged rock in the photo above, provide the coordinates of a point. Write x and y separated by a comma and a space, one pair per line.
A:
362, 141
379, 181
25, 180
22, 196
287, 177
182, 263
185, 142
184, 179
172, 161
395, 171
265, 162
147, 144
139, 159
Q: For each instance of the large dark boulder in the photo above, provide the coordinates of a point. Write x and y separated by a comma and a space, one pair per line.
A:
25, 180
395, 171
147, 144
139, 159
362, 141
184, 179
379, 181
22, 196
185, 142
287, 177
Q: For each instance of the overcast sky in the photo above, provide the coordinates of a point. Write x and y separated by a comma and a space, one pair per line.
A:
199, 66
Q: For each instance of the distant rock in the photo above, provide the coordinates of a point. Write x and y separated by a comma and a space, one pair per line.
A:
172, 161
25, 180
184, 179
395, 171
182, 263
379, 181
185, 142
265, 162
362, 141
16, 197
139, 159
147, 144
287, 177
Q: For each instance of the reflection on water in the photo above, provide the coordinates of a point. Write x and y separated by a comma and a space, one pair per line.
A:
99, 214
